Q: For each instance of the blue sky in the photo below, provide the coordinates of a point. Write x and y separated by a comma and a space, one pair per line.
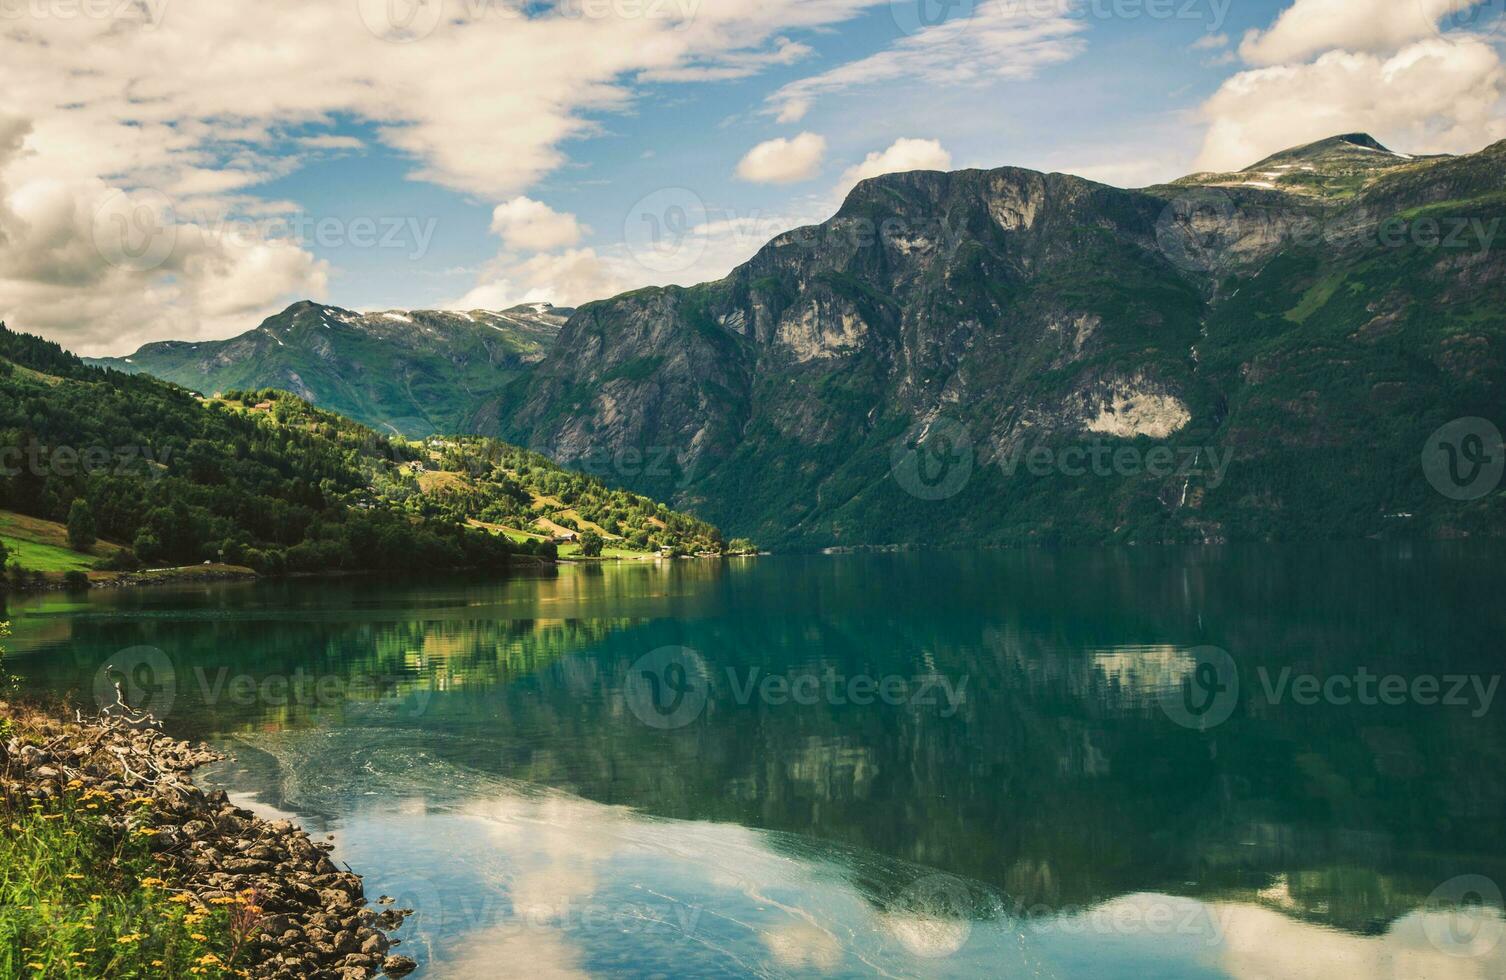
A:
1121, 112
486, 153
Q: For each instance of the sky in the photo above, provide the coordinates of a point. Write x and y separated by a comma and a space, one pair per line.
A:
181, 169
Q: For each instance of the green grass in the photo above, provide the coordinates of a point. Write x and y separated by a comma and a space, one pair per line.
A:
77, 902
42, 546
572, 550
45, 557
1314, 299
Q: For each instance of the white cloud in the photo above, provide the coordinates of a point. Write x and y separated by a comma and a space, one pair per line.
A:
203, 104
793, 110
112, 270
783, 161
1377, 26
739, 64
1002, 39
1434, 95
708, 249
1210, 42
902, 155
567, 279
534, 226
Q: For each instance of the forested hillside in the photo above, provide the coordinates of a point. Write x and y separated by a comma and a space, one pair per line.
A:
266, 480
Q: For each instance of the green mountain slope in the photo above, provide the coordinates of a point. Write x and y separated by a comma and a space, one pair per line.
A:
404, 373
1004, 355
272, 482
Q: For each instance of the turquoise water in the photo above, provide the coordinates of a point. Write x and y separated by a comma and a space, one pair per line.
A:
1040, 764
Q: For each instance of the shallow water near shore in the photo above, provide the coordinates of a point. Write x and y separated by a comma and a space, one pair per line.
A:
1042, 764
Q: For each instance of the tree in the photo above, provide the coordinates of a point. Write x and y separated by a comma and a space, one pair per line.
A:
81, 530
146, 546
590, 544
4, 554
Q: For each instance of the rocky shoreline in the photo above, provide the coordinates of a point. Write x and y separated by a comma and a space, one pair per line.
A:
312, 920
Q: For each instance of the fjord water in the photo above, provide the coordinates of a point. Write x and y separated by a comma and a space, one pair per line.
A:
906, 764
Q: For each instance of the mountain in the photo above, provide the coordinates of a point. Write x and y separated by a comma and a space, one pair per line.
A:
267, 480
407, 373
1005, 355
1337, 166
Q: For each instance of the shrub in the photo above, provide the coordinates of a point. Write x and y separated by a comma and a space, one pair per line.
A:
124, 560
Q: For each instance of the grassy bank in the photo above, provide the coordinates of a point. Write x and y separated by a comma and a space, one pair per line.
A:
114, 864
80, 898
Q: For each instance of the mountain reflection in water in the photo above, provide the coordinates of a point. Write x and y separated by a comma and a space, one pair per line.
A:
483, 762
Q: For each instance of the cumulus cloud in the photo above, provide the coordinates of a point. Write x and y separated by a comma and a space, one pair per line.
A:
783, 161
534, 226
707, 246
1002, 39
1310, 26
902, 155
111, 270
206, 103
570, 278
1433, 95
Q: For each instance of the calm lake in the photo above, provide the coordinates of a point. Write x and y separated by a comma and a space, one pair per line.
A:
1250, 762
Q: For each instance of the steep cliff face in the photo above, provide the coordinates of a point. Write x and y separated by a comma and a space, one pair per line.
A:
1277, 327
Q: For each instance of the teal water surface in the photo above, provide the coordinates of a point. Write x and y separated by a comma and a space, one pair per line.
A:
1219, 762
